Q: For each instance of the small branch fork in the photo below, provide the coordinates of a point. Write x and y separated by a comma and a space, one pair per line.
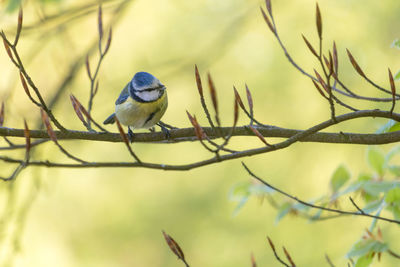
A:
329, 64
215, 138
12, 52
93, 77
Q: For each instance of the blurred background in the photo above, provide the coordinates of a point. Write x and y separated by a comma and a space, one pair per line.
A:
114, 217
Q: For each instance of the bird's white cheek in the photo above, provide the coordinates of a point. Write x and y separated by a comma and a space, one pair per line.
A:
148, 95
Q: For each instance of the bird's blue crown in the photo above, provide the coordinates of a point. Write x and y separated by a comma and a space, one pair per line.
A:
143, 79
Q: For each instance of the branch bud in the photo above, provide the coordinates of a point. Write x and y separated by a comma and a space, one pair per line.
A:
198, 81
267, 20
319, 21
2, 114
355, 64
310, 46
7, 47
24, 85
173, 245
27, 135
259, 135
50, 131
213, 93
108, 41
100, 23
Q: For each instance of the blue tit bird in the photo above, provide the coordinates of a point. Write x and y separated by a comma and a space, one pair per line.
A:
141, 103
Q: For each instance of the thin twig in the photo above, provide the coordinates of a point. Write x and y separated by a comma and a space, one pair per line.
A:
317, 206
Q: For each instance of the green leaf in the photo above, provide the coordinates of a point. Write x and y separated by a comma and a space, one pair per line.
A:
364, 261
260, 189
339, 178
350, 189
364, 177
396, 44
393, 196
393, 200
393, 152
397, 76
283, 210
366, 246
372, 206
13, 5
375, 188
238, 191
390, 126
240, 205
376, 160
394, 170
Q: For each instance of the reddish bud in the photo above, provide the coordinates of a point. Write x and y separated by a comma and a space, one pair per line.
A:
108, 41
392, 84
259, 135
319, 21
322, 82
335, 58
249, 99
27, 135
2, 114
271, 243
318, 88
238, 99
173, 245
393, 88
96, 88
253, 261
288, 257
88, 67
100, 23
50, 131
380, 236
198, 81
200, 134
331, 63
213, 93
19, 27
24, 85
7, 47
267, 20
310, 46
235, 113
269, 6
76, 106
355, 64
328, 64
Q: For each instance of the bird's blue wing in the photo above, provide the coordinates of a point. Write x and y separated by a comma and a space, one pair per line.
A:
123, 96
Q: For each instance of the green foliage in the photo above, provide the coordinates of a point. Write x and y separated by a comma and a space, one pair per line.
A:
241, 192
378, 190
391, 125
396, 44
364, 261
366, 246
376, 160
339, 178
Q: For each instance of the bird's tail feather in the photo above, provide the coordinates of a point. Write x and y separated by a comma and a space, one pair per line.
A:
110, 119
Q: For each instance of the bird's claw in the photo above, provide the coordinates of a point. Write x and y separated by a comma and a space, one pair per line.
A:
165, 130
130, 135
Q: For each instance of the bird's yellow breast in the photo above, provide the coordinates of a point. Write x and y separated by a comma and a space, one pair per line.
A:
141, 114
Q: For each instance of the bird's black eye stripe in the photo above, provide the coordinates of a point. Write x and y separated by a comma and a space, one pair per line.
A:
152, 89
